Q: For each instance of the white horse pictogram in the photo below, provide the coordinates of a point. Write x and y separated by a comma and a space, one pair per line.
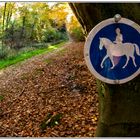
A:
126, 49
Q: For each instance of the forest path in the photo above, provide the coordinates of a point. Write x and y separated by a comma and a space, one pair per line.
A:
27, 66
56, 83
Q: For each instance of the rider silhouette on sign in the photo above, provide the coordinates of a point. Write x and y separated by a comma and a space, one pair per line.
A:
119, 37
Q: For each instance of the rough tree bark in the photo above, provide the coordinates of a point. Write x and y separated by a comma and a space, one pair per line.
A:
119, 104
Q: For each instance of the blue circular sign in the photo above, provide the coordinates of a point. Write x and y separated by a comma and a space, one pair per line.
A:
112, 51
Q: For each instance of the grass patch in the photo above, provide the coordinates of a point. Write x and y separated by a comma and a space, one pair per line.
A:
1, 97
25, 55
50, 121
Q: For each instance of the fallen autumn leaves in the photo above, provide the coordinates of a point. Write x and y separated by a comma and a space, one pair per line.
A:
59, 85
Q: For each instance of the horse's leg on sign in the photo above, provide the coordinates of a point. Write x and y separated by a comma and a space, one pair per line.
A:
111, 58
103, 61
127, 59
133, 58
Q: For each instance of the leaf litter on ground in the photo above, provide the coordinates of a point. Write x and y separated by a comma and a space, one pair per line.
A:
54, 98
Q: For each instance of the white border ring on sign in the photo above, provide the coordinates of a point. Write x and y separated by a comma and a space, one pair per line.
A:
88, 42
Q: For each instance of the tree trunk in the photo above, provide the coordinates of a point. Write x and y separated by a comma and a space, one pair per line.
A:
119, 105
32, 29
21, 40
4, 13
3, 22
23, 27
9, 14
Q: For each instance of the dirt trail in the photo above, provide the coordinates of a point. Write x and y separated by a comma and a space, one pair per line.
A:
56, 83
15, 71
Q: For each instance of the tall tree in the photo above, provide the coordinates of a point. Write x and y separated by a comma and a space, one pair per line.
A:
9, 13
3, 22
119, 104
59, 13
4, 13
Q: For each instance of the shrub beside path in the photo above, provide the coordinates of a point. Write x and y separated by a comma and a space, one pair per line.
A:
58, 83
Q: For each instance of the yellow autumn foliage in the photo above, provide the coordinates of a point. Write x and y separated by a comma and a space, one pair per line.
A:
75, 29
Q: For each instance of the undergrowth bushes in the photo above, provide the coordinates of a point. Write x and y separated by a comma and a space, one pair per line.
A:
3, 53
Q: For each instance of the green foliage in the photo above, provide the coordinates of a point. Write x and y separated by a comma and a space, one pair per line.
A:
1, 97
6, 52
13, 37
23, 24
55, 120
27, 29
40, 45
25, 55
50, 121
75, 30
77, 34
53, 35
3, 53
44, 123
